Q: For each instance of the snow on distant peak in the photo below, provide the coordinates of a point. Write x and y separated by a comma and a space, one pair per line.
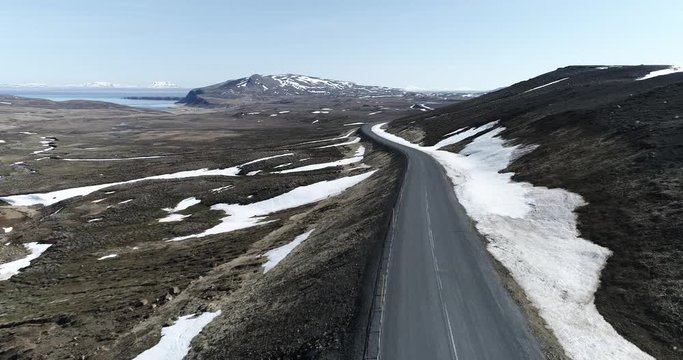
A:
27, 85
308, 83
99, 84
163, 85
103, 85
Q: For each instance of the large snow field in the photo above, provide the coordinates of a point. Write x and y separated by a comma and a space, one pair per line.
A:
249, 215
7, 270
175, 339
532, 231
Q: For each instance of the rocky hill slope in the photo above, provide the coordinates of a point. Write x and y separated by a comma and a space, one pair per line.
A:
613, 135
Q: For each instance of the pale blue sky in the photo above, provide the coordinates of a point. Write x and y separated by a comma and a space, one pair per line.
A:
423, 44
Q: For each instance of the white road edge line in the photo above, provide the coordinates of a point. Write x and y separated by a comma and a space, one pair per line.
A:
438, 279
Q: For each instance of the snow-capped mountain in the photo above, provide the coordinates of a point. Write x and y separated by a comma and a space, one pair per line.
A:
285, 85
163, 85
99, 84
27, 85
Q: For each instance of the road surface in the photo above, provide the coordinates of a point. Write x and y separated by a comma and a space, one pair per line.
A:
442, 297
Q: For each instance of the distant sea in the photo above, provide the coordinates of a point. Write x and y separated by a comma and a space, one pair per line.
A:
115, 96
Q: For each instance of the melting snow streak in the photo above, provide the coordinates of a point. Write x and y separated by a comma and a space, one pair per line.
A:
175, 339
245, 216
7, 270
278, 254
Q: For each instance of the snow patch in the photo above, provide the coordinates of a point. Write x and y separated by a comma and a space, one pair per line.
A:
278, 254
7, 270
110, 256
266, 158
282, 165
548, 84
350, 142
361, 166
183, 204
7, 230
173, 218
462, 134
219, 189
329, 139
342, 162
249, 215
669, 71
49, 148
175, 339
54, 197
117, 159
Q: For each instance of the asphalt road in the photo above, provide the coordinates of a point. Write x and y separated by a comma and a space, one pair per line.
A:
443, 298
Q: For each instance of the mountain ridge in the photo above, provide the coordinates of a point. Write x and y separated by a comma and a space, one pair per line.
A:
296, 85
